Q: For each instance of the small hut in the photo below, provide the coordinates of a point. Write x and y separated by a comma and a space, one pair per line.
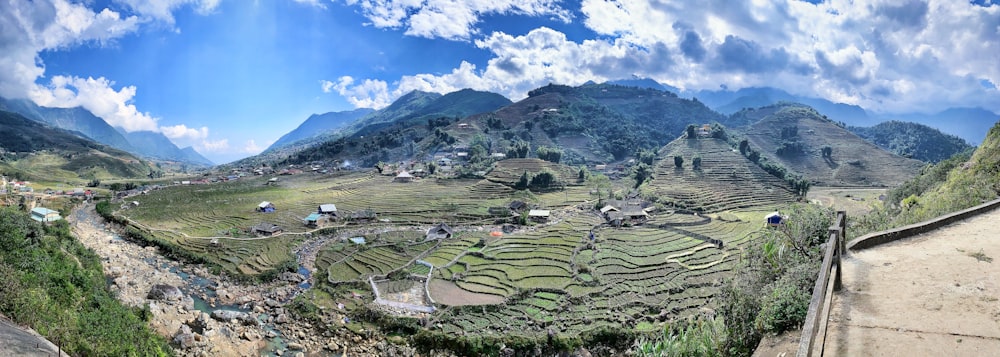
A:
403, 176
440, 231
774, 219
266, 229
328, 209
312, 220
265, 206
539, 215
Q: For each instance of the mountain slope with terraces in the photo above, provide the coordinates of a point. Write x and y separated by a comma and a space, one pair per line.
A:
725, 180
796, 135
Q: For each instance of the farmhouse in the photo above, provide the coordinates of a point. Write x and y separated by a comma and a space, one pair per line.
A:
440, 231
403, 176
266, 229
518, 206
538, 215
43, 214
365, 215
774, 219
312, 220
265, 207
328, 209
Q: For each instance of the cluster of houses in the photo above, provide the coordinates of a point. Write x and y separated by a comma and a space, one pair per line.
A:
14, 186
627, 212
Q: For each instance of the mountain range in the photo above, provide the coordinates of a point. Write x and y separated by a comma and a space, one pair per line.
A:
38, 151
148, 144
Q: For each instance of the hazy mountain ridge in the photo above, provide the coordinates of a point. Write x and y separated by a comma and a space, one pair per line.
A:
320, 124
157, 146
74, 119
86, 124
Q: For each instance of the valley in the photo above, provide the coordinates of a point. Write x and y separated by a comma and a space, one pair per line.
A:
600, 219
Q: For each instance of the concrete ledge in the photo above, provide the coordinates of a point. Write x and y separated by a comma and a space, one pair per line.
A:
883, 237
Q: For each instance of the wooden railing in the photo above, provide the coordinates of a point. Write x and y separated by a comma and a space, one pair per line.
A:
814, 328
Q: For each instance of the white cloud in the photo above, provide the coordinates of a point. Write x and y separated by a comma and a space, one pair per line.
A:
313, 3
885, 55
221, 145
181, 131
252, 148
97, 96
370, 93
450, 19
326, 85
163, 10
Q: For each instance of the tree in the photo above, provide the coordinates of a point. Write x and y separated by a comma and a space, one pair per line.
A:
549, 154
431, 167
691, 131
523, 182
827, 151
754, 156
678, 161
643, 172
744, 146
582, 176
646, 156
543, 179
600, 182
696, 163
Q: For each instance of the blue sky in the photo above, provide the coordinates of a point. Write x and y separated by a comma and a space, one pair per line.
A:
229, 77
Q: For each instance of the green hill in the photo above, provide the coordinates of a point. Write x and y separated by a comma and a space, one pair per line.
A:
960, 182
804, 141
32, 150
912, 140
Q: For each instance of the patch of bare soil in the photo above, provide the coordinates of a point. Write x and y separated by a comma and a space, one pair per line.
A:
783, 345
447, 293
934, 294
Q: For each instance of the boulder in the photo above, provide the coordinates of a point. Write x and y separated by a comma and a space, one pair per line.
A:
295, 346
229, 315
185, 340
281, 319
163, 292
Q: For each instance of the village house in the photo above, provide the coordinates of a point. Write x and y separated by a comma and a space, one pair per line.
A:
403, 176
312, 220
539, 215
265, 207
328, 209
43, 214
440, 231
266, 229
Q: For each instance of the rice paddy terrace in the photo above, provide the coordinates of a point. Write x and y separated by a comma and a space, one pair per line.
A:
569, 275
726, 180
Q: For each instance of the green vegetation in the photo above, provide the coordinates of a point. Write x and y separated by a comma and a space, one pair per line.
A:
913, 140
959, 182
56, 285
768, 293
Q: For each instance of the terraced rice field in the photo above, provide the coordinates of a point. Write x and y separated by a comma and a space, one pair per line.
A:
725, 180
543, 277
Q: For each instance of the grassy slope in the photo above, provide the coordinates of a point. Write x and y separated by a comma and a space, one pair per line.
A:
950, 186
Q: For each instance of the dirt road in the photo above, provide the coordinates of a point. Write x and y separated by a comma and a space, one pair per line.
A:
936, 294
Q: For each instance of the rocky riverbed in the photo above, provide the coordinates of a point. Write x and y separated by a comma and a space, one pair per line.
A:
207, 315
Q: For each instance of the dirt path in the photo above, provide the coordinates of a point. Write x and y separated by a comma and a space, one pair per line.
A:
934, 294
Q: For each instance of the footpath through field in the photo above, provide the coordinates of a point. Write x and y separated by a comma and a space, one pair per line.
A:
935, 294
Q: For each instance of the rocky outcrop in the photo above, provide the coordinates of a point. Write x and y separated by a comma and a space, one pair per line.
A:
163, 292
